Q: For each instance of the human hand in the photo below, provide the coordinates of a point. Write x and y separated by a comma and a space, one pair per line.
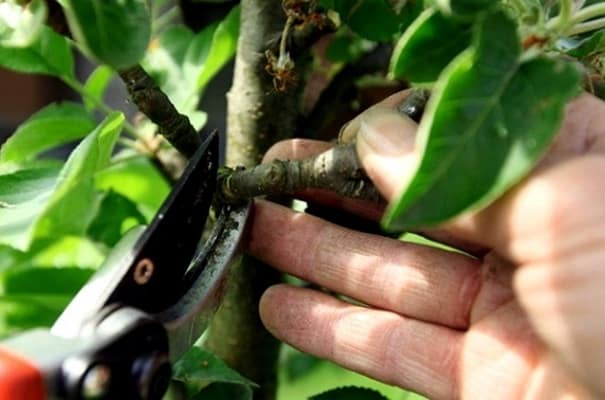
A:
521, 319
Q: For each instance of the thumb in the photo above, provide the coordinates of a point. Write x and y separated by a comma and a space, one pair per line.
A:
385, 146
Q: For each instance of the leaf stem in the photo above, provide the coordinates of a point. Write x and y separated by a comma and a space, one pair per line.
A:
164, 19
582, 15
590, 12
565, 14
587, 26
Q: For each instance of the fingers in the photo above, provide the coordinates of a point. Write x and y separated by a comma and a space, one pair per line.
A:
381, 344
295, 149
385, 145
348, 133
554, 213
417, 281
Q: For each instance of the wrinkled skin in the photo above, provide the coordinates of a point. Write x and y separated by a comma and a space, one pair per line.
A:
521, 318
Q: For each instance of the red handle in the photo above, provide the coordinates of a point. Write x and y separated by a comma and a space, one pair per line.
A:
19, 379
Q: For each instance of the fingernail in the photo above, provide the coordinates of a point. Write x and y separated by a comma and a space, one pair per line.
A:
386, 132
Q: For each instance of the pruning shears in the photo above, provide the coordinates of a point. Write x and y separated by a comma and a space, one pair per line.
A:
143, 309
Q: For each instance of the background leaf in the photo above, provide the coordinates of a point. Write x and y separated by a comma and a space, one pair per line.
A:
422, 53
591, 46
117, 214
35, 286
355, 14
222, 49
49, 54
346, 47
115, 32
52, 126
42, 204
467, 7
137, 180
35, 297
490, 118
95, 86
224, 391
183, 63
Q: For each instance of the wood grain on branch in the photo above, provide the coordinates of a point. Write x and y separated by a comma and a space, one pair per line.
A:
153, 102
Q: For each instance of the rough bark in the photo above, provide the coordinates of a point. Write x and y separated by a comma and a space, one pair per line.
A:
258, 116
154, 103
337, 169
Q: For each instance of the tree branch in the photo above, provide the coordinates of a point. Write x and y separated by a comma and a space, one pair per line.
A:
337, 169
154, 103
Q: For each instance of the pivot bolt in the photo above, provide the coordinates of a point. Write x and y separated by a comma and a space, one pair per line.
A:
96, 382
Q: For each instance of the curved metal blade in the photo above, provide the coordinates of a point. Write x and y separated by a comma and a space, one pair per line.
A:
146, 269
186, 320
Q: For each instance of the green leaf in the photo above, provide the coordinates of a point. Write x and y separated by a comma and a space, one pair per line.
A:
138, 180
349, 393
115, 32
297, 365
58, 252
42, 204
224, 391
356, 14
68, 210
466, 7
199, 368
95, 86
489, 119
52, 126
49, 54
222, 49
589, 47
166, 56
182, 63
346, 47
34, 297
117, 214
20, 26
422, 53
23, 195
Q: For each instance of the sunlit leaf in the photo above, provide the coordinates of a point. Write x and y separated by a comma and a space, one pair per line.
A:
20, 25
222, 49
52, 126
49, 54
95, 86
490, 117
39, 203
183, 62
138, 180
115, 32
